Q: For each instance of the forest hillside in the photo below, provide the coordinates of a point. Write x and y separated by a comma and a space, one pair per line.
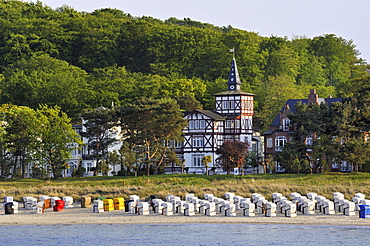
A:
80, 61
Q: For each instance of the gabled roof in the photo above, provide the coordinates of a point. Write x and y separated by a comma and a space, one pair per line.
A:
292, 102
211, 114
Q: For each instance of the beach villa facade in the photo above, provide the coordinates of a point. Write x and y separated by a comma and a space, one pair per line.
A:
279, 132
207, 130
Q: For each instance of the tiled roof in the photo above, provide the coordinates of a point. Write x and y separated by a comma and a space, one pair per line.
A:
211, 114
292, 102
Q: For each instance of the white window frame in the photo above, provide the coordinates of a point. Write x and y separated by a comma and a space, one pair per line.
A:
228, 124
269, 143
198, 141
196, 123
88, 166
191, 124
286, 124
237, 124
232, 104
197, 160
202, 124
280, 142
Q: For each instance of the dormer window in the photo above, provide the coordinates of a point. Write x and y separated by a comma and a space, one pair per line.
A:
286, 124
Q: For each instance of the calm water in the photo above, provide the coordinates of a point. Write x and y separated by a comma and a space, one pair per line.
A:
185, 234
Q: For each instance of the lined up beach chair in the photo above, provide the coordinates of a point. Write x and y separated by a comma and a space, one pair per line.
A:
218, 204
319, 202
40, 208
167, 208
300, 202
210, 209
189, 197
132, 207
173, 200
312, 196
157, 205
47, 203
229, 196
349, 208
53, 199
230, 210
274, 196
364, 212
308, 207
280, 203
168, 198
223, 206
119, 203
31, 203
341, 203
261, 205
202, 206
237, 202
43, 198
356, 199
108, 204
8, 199
85, 201
290, 209
143, 208
336, 197
254, 197
189, 209
68, 200
247, 208
195, 201
98, 206
180, 207
25, 200
8, 208
208, 196
328, 207
270, 209
295, 196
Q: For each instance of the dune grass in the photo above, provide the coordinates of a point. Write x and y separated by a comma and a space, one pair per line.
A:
180, 184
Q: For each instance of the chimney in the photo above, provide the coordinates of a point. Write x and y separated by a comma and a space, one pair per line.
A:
313, 97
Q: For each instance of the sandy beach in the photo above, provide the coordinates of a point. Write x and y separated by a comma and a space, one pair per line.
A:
78, 215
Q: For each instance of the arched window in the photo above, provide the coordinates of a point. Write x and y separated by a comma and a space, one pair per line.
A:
279, 143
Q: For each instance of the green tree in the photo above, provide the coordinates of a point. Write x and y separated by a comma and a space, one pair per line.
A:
45, 80
99, 130
150, 125
55, 139
254, 159
19, 125
232, 155
205, 162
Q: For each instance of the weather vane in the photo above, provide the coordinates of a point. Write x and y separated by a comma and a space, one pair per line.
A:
233, 51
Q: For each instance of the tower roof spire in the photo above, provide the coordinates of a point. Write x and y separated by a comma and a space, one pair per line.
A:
233, 81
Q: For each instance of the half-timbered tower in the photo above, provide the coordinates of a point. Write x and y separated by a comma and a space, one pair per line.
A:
207, 130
